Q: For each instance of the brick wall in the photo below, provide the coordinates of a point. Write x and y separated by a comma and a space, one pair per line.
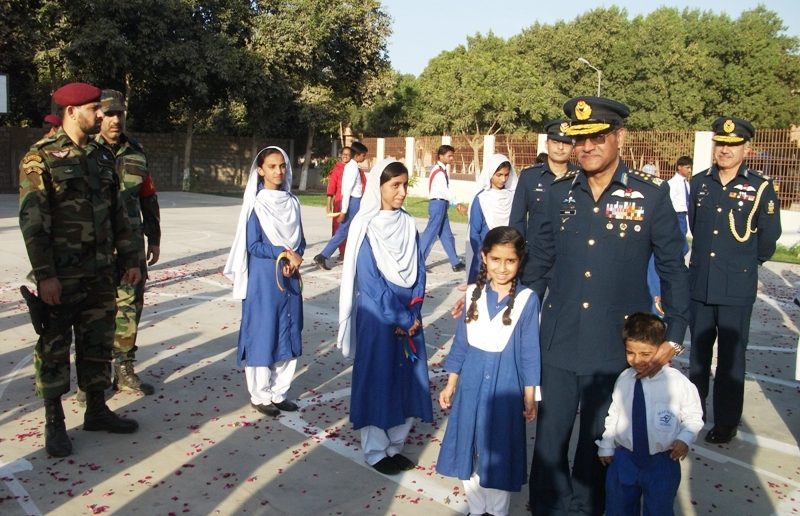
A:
219, 163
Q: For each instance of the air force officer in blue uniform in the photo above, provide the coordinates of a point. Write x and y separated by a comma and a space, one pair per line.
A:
735, 220
602, 224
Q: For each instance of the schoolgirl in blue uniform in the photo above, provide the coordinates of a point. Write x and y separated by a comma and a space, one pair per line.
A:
493, 369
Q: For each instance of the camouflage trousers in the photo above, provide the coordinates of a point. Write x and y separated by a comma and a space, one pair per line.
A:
87, 310
130, 302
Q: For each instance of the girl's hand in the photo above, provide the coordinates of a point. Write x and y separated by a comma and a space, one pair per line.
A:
288, 271
446, 396
399, 331
605, 461
529, 399
340, 218
294, 259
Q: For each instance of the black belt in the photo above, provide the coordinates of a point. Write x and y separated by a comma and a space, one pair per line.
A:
439, 199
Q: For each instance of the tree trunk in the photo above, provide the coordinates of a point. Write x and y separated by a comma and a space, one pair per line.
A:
187, 153
307, 159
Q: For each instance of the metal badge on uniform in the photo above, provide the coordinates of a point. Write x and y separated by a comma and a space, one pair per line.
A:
627, 193
637, 228
63, 153
771, 208
539, 188
628, 210
568, 206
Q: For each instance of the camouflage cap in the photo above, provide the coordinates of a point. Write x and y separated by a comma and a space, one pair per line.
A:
112, 101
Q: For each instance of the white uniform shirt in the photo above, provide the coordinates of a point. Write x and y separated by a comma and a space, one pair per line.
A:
351, 184
439, 188
673, 412
678, 186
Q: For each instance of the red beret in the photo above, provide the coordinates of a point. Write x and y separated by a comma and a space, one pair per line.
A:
76, 94
53, 120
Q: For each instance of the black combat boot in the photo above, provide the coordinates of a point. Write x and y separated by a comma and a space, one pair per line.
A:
56, 440
125, 379
99, 417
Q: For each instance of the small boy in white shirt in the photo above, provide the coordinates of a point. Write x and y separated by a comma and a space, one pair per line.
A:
647, 432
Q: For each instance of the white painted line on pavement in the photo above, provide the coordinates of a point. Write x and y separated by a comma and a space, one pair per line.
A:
722, 459
20, 494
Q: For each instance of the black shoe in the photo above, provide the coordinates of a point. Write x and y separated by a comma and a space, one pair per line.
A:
459, 267
286, 406
99, 417
404, 463
320, 260
267, 410
386, 466
56, 440
720, 434
125, 379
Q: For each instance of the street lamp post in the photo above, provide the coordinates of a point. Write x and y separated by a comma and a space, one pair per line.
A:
599, 73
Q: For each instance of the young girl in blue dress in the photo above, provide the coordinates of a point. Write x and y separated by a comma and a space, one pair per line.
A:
493, 369
380, 326
491, 207
263, 264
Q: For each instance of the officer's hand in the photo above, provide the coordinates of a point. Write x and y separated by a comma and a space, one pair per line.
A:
662, 357
132, 276
153, 252
50, 291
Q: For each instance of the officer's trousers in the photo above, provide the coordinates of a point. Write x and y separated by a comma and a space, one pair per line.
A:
552, 489
439, 228
130, 303
730, 326
87, 309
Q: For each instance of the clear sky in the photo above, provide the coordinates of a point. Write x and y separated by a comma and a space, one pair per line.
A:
424, 28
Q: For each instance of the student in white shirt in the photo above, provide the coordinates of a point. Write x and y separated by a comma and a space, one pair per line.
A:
647, 432
352, 190
438, 227
679, 194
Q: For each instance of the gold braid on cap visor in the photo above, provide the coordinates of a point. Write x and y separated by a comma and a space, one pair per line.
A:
727, 138
581, 129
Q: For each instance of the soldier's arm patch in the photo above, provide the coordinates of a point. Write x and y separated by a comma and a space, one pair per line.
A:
32, 163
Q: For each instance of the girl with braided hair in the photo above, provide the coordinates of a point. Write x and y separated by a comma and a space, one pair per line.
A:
493, 369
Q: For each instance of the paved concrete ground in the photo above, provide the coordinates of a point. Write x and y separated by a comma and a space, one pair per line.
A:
201, 449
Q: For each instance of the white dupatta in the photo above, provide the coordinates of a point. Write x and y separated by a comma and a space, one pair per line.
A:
496, 204
392, 235
278, 213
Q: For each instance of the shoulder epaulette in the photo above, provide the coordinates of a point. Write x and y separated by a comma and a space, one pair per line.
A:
44, 141
645, 177
759, 173
569, 175
133, 142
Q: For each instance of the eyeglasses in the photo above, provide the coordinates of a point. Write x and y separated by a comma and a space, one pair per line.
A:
596, 139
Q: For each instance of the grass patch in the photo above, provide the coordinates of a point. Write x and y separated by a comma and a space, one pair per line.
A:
787, 254
416, 206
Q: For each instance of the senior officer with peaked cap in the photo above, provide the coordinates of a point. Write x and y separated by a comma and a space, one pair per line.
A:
735, 219
602, 223
528, 207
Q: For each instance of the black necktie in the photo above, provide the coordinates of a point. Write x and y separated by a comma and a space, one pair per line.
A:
641, 446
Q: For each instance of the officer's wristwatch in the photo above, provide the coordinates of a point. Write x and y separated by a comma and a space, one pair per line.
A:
678, 348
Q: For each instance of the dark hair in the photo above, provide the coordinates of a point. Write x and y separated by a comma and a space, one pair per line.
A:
358, 148
267, 152
501, 235
644, 327
541, 158
505, 164
344, 149
684, 160
444, 149
392, 170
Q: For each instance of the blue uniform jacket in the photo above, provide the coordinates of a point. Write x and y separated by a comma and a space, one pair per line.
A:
527, 210
723, 270
599, 252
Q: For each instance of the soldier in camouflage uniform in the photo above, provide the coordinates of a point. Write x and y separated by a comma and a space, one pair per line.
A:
141, 202
73, 221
